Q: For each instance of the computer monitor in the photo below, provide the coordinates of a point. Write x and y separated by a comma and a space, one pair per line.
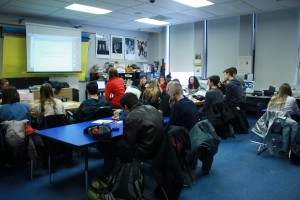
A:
249, 86
101, 84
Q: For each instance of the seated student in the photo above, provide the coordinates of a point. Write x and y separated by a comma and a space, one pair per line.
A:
134, 88
143, 83
3, 84
142, 134
183, 111
115, 87
193, 85
12, 108
152, 93
213, 96
284, 102
93, 98
233, 89
162, 83
48, 104
164, 106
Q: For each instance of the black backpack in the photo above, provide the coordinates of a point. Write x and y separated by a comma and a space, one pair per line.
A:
294, 155
88, 113
125, 183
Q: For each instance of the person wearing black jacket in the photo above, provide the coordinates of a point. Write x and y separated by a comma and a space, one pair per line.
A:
143, 133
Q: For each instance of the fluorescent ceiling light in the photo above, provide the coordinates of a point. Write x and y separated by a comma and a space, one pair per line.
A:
151, 21
88, 9
195, 3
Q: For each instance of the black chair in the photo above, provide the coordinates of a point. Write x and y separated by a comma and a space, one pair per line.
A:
53, 148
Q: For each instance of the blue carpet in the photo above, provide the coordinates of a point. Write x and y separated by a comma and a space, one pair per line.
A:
237, 173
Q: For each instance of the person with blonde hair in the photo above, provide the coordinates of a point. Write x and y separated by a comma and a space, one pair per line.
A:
48, 104
284, 102
153, 93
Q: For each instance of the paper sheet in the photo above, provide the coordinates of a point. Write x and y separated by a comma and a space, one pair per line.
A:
103, 121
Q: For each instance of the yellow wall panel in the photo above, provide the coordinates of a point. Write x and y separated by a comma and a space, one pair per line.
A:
14, 60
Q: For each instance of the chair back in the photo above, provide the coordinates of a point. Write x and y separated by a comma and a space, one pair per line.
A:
88, 113
52, 121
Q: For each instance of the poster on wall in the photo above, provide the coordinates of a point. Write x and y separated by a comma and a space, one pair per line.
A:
129, 48
117, 50
244, 65
141, 50
102, 46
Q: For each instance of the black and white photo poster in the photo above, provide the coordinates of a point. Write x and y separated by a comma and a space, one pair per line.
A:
129, 48
117, 44
102, 46
141, 50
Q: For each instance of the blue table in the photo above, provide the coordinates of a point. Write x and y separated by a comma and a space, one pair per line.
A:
73, 135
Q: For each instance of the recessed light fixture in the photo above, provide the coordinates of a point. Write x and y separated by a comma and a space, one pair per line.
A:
195, 3
151, 21
87, 9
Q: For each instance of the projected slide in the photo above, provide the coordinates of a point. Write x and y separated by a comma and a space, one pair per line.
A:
53, 54
53, 49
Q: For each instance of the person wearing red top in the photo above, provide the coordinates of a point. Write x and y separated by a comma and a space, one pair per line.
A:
114, 86
162, 83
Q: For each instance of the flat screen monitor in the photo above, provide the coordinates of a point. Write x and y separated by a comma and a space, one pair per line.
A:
249, 86
101, 84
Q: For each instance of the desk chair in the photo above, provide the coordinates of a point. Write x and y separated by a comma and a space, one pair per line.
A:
268, 127
53, 148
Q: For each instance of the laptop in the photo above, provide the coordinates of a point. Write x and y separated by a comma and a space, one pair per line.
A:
101, 84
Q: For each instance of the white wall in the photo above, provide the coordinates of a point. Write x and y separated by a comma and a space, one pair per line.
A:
182, 48
276, 48
222, 45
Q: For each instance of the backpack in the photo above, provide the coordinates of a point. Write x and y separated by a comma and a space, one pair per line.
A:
125, 183
294, 155
88, 113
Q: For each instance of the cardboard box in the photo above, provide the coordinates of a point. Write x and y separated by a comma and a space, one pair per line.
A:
66, 92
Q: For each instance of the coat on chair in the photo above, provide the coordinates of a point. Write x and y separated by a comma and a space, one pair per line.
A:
204, 145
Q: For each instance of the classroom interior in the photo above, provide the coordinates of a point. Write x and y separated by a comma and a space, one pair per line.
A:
260, 39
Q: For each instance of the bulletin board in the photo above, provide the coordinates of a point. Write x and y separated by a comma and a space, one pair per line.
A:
14, 60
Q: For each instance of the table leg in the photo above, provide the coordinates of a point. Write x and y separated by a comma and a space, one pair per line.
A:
49, 168
86, 168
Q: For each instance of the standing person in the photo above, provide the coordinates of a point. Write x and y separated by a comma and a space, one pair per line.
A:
93, 98
284, 102
142, 134
152, 93
48, 104
193, 85
213, 95
12, 108
115, 87
183, 111
233, 89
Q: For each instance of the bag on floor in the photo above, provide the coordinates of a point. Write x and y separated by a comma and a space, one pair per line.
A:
294, 155
126, 182
97, 190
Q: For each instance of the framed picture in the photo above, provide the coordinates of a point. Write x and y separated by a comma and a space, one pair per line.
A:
102, 44
129, 48
117, 47
141, 50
